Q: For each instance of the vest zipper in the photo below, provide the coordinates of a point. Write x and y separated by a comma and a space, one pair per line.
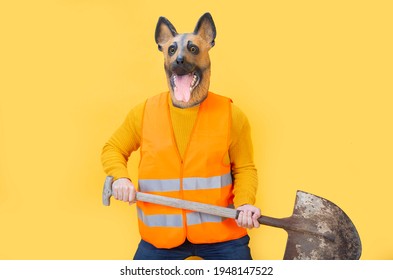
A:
182, 195
181, 167
181, 160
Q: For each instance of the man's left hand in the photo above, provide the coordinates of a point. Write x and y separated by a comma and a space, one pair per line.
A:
248, 216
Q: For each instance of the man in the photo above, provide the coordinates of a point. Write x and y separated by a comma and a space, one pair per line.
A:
195, 145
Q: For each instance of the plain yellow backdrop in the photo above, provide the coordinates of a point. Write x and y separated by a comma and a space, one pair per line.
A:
313, 77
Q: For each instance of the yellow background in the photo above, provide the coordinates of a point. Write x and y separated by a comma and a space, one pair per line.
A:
314, 78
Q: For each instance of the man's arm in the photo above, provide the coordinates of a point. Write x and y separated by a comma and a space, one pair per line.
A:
117, 150
243, 170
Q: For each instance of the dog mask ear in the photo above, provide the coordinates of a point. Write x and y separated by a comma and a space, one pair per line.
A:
164, 32
206, 28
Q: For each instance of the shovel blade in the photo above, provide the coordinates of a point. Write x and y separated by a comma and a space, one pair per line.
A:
326, 232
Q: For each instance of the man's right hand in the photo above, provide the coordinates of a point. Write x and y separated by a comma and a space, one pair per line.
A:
123, 189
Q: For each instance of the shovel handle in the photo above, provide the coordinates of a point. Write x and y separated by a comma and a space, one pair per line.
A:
189, 205
194, 206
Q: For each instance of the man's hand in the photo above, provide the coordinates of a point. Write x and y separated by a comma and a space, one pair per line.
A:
123, 189
248, 216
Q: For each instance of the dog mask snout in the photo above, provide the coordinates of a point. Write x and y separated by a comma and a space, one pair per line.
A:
180, 59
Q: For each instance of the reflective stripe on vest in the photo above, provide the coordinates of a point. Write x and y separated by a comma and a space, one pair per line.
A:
194, 183
193, 218
153, 185
196, 218
160, 220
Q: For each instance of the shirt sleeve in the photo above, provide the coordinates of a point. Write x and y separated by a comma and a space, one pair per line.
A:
242, 159
123, 142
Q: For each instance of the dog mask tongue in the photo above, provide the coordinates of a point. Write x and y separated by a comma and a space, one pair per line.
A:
182, 87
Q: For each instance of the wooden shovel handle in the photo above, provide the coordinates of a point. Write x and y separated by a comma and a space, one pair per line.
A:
206, 208
185, 204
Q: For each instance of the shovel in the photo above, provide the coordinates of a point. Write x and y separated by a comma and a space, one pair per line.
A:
317, 230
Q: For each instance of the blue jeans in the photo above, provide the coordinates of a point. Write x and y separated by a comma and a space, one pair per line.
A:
230, 250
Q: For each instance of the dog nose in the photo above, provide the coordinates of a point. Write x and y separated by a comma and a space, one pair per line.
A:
180, 59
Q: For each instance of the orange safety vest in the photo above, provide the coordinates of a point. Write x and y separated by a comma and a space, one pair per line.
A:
201, 176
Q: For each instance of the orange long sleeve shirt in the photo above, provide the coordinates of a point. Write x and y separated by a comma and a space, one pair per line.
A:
127, 139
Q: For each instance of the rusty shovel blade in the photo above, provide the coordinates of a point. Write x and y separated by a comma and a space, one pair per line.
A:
318, 230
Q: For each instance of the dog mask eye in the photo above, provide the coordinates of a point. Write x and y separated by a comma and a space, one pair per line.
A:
172, 49
192, 48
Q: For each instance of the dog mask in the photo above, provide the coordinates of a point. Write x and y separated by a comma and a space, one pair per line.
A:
186, 60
